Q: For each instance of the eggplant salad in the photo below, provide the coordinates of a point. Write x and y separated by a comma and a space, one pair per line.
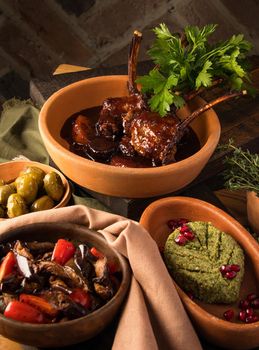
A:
46, 282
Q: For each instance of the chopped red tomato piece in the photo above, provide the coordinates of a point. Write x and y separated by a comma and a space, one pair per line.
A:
81, 297
23, 312
39, 303
95, 252
7, 265
63, 251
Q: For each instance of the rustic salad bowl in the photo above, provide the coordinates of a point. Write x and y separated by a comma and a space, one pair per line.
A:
113, 180
79, 329
208, 318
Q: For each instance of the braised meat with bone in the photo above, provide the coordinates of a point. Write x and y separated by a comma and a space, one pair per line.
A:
127, 133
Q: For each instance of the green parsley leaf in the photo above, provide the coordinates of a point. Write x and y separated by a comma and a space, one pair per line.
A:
187, 63
204, 77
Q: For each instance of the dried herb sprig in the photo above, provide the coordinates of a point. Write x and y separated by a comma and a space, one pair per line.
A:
241, 168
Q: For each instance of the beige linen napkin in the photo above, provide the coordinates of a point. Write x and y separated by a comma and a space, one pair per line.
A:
153, 316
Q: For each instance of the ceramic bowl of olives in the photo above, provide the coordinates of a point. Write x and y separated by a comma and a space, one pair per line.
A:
68, 289
27, 186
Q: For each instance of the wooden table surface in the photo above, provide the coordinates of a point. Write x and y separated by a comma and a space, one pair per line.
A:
233, 202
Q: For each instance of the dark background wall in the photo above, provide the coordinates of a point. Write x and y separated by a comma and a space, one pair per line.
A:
37, 35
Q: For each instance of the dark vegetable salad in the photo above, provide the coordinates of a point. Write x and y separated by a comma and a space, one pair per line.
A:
45, 282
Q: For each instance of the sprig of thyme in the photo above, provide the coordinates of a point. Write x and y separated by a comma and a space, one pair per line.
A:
185, 63
241, 168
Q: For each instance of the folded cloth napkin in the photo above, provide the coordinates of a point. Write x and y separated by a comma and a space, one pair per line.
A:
153, 316
20, 140
19, 134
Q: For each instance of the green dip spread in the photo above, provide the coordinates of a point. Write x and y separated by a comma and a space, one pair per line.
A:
195, 266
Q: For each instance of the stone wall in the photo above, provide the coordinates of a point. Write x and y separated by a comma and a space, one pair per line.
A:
37, 35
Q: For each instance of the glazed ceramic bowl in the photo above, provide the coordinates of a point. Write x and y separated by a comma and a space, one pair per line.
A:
11, 170
77, 330
208, 318
111, 180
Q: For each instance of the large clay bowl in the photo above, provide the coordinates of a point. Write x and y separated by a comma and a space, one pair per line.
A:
11, 170
80, 329
208, 318
107, 179
252, 203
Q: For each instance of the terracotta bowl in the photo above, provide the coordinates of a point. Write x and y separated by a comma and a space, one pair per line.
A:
208, 318
107, 179
253, 210
10, 171
80, 329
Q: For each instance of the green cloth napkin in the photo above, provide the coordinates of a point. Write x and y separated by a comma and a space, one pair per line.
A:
20, 137
19, 133
89, 202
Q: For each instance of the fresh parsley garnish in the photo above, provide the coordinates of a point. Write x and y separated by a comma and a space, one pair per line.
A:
189, 62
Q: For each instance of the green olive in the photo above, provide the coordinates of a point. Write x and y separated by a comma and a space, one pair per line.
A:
37, 173
16, 206
13, 185
27, 187
42, 203
53, 186
2, 212
5, 192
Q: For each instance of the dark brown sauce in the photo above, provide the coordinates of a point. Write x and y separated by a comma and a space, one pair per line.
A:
188, 145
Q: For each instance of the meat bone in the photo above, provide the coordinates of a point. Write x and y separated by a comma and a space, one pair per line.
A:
169, 128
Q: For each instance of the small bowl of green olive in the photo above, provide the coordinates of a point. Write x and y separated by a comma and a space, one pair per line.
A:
27, 186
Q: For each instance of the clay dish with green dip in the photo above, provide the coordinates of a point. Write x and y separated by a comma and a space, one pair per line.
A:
208, 318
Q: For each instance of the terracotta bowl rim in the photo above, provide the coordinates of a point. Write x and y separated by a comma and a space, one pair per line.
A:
211, 141
92, 315
67, 193
203, 314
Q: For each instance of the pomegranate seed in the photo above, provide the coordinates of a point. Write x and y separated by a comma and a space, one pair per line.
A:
172, 224
229, 314
251, 319
244, 304
249, 312
230, 275
190, 295
242, 315
189, 235
255, 303
224, 268
181, 240
182, 221
251, 297
184, 228
234, 267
